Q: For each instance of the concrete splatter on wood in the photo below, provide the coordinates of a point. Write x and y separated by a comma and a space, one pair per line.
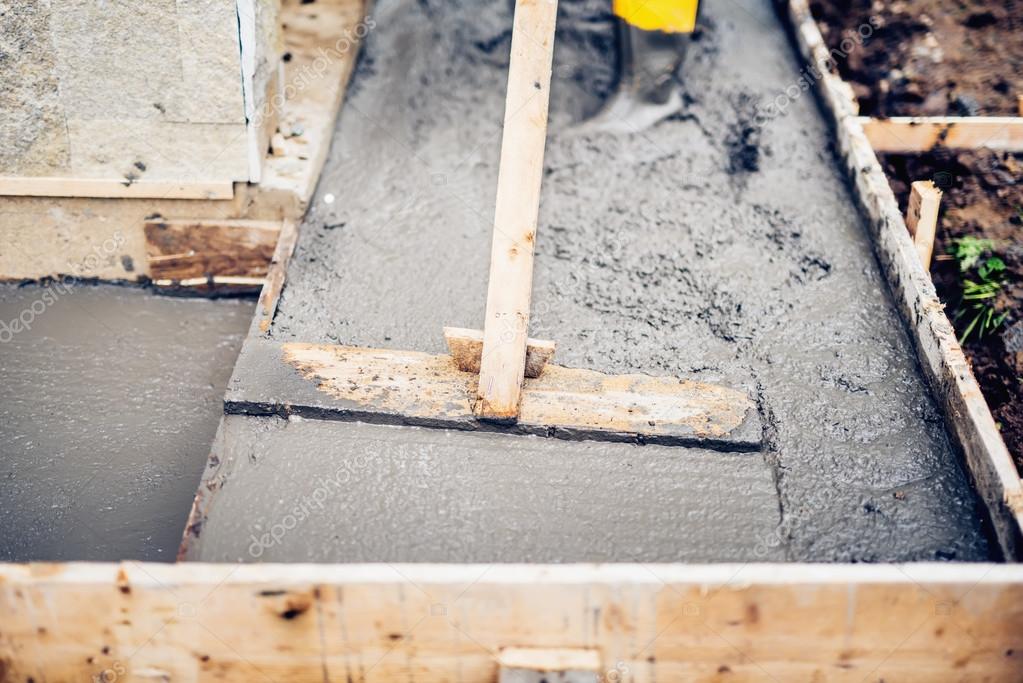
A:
410, 387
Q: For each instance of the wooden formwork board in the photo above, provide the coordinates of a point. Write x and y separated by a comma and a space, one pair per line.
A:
198, 622
967, 414
426, 623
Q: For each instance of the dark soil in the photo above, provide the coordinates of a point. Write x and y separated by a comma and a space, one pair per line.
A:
951, 58
927, 57
983, 198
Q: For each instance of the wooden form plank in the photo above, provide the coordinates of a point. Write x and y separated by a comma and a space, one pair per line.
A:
515, 216
922, 218
266, 307
183, 253
432, 623
413, 388
921, 133
466, 349
113, 189
954, 386
323, 39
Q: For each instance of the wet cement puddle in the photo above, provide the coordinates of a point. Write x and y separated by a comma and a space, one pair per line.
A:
109, 400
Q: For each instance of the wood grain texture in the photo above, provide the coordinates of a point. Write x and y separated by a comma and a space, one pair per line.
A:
543, 659
266, 307
955, 388
113, 188
433, 623
181, 252
921, 133
515, 216
922, 218
466, 349
323, 39
414, 388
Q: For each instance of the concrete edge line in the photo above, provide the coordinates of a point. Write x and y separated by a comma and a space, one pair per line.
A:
951, 380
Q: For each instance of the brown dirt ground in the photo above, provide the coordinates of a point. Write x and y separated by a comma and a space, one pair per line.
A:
947, 58
928, 57
983, 197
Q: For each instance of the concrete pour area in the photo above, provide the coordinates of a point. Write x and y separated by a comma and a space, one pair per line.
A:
712, 244
109, 399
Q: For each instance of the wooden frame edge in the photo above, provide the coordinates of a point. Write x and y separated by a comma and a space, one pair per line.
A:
428, 622
952, 382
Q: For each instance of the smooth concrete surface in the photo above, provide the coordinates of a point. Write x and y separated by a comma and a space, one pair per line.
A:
714, 243
109, 401
306, 491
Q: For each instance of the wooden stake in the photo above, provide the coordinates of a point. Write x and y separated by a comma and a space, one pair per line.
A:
515, 217
922, 218
466, 349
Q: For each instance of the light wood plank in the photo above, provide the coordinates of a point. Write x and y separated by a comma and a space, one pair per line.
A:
466, 349
433, 623
922, 218
323, 39
515, 216
266, 307
112, 189
410, 387
919, 134
542, 659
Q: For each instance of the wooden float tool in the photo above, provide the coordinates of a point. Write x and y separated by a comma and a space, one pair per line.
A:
507, 357
498, 378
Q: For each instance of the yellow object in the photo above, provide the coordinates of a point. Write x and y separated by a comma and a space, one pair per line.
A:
669, 16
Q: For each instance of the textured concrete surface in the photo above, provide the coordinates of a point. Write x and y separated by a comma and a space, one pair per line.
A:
33, 136
109, 400
144, 90
315, 491
708, 244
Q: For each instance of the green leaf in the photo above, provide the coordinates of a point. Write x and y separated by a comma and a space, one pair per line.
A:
991, 265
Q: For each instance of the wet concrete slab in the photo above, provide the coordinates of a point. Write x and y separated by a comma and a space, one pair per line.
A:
380, 493
109, 401
719, 244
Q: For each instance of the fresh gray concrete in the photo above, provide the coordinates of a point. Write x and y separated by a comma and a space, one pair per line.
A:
317, 491
109, 400
714, 244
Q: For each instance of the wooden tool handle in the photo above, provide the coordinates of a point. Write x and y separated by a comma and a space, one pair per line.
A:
518, 202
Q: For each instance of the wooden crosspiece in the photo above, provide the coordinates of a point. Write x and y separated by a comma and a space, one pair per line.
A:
499, 375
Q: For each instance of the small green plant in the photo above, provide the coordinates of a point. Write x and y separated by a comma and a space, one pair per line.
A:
968, 250
979, 302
